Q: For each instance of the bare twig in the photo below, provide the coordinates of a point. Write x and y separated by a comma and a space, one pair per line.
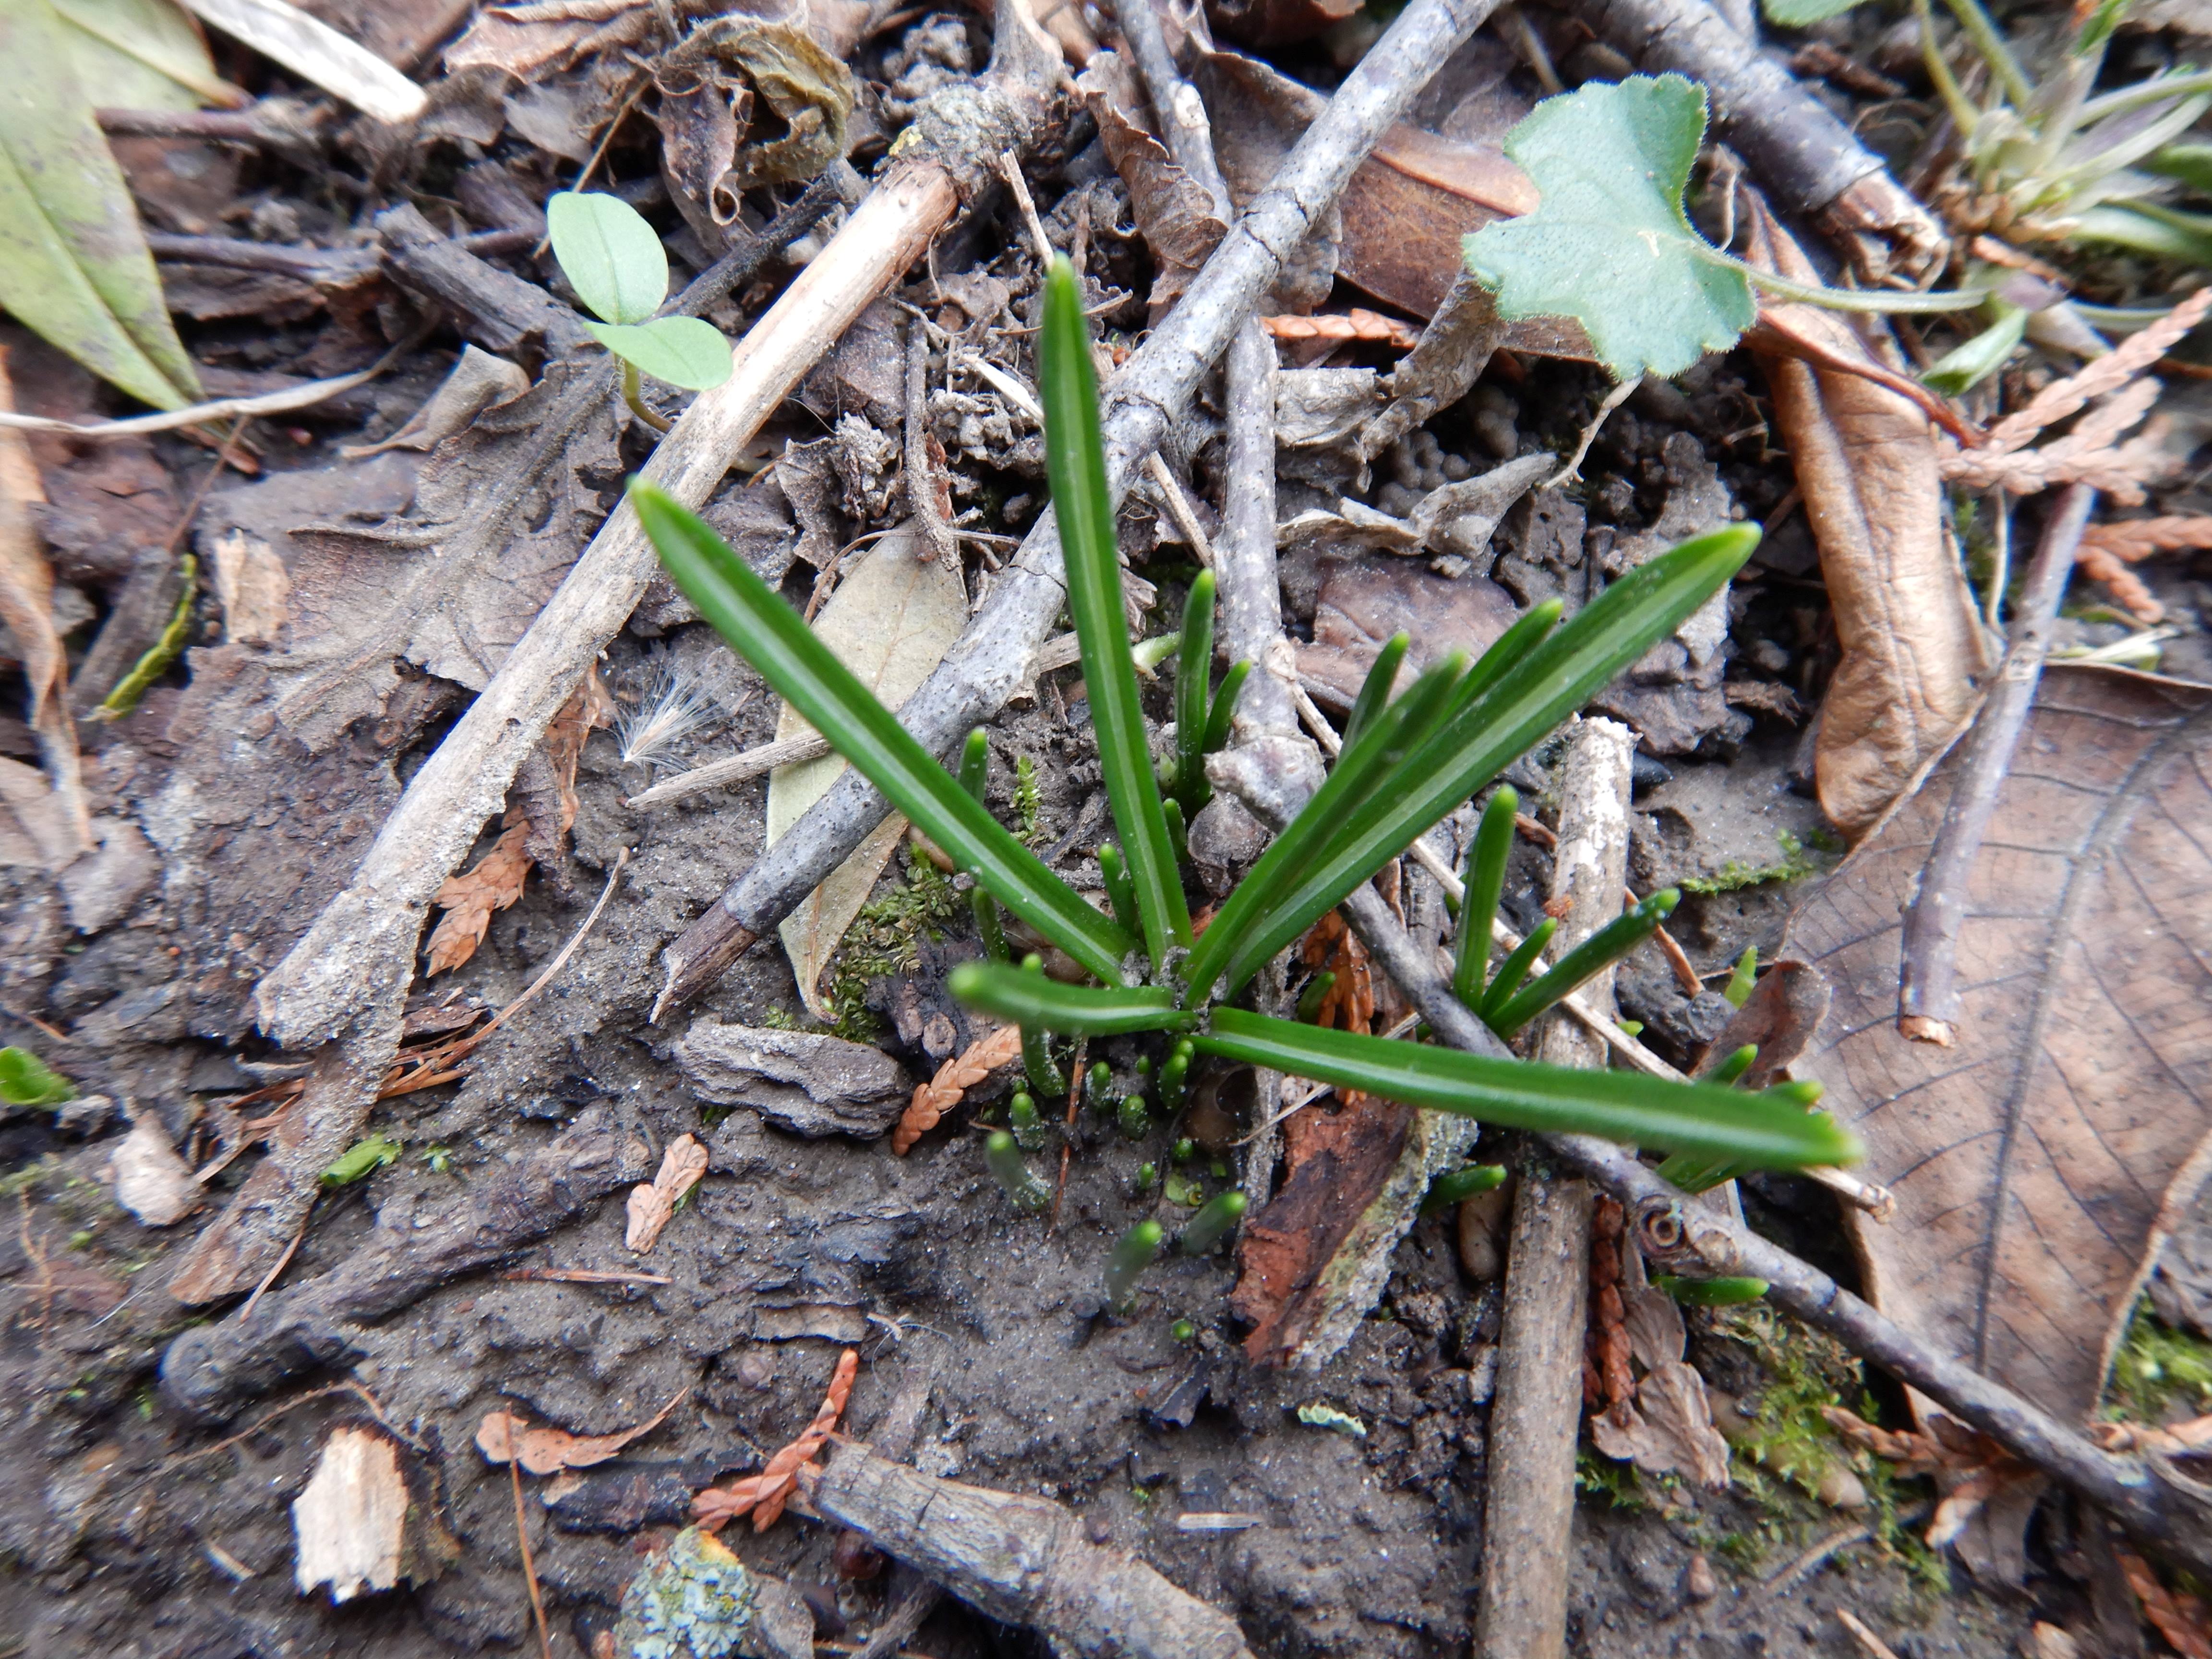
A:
992, 659
735, 768
928, 493
1538, 1407
1927, 1002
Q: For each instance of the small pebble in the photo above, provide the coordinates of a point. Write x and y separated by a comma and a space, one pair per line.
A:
1700, 1581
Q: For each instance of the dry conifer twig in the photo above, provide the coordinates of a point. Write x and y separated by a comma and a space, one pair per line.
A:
765, 1494
1367, 327
2180, 1618
2136, 539
962, 1071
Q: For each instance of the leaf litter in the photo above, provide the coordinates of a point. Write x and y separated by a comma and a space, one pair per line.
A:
360, 611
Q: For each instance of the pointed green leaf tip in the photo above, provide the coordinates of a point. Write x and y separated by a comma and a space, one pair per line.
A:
610, 255
1608, 244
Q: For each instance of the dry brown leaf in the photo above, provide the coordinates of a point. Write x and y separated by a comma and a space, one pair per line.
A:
1669, 1430
2038, 1164
548, 786
764, 1495
1779, 1017
503, 1437
1173, 210
682, 1167
1866, 466
962, 1071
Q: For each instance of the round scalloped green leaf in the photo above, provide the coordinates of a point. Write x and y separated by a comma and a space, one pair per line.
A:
686, 351
1608, 244
610, 255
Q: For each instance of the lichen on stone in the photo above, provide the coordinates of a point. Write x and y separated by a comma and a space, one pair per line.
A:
695, 1602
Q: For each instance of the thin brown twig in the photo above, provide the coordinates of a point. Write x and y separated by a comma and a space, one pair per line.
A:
274, 1272
529, 1566
1928, 1001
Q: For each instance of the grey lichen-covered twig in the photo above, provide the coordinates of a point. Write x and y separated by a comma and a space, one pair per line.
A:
2149, 1494
992, 659
1537, 1410
1927, 1002
1443, 365
1807, 157
213, 1371
1021, 1560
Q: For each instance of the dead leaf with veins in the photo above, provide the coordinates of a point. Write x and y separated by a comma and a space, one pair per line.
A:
503, 1437
1174, 211
651, 1206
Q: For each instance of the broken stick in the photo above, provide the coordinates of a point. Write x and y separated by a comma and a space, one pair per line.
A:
991, 660
1021, 1560
1537, 1410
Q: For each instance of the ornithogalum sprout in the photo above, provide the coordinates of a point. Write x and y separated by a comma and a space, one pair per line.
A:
617, 265
1410, 759
1135, 1251
1004, 1159
1211, 1224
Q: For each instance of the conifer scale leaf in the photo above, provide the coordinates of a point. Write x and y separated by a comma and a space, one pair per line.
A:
1608, 244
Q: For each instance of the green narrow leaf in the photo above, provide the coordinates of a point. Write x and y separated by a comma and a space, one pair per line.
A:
1193, 668
1484, 883
1513, 970
974, 778
610, 255
1594, 955
686, 351
1218, 718
1507, 653
1121, 891
770, 634
1392, 735
1551, 682
74, 265
2163, 233
1031, 1001
1803, 14
1626, 1106
1375, 689
1608, 244
1076, 461
1969, 364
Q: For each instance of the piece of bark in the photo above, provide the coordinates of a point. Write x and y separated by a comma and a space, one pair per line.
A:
992, 661
1020, 1560
1444, 366
806, 1082
1538, 1404
498, 311
1865, 463
211, 1371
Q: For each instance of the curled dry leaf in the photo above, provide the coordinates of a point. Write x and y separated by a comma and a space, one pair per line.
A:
2181, 1619
764, 1495
1866, 466
1971, 1471
503, 1437
1173, 210
650, 1207
962, 1071
2038, 1165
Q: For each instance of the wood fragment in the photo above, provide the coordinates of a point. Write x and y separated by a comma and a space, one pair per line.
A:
350, 1522
1020, 1560
928, 489
1536, 1409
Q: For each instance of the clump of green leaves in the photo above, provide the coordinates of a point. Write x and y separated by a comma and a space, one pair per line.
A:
27, 1080
617, 267
2157, 1365
361, 1159
1412, 760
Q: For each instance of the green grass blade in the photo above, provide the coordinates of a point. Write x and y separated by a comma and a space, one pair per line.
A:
1507, 652
1484, 881
1683, 1117
1075, 460
1527, 701
1607, 945
1034, 1002
1375, 689
1393, 734
1121, 891
1224, 707
1193, 664
770, 634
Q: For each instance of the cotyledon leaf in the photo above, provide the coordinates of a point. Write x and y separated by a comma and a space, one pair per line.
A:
1608, 244
74, 265
2038, 1162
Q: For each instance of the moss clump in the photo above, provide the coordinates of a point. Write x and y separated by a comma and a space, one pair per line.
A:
1795, 864
2156, 1369
886, 939
1028, 805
